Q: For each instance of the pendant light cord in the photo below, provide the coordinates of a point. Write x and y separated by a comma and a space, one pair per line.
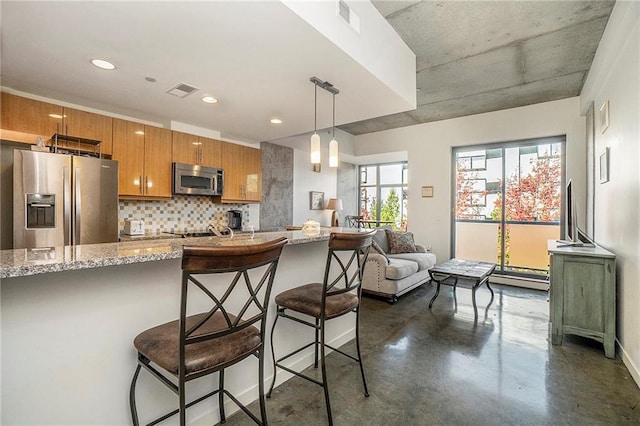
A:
315, 108
333, 127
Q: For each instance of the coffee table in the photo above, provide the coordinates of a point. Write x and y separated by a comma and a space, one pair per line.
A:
478, 272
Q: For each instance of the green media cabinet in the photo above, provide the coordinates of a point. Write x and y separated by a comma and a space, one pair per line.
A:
583, 294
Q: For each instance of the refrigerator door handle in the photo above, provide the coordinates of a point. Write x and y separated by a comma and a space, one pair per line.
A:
78, 214
66, 205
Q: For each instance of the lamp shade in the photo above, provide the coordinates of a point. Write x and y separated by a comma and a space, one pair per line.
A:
315, 148
335, 204
333, 153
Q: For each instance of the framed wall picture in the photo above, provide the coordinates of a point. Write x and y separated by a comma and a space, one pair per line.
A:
316, 200
604, 166
604, 117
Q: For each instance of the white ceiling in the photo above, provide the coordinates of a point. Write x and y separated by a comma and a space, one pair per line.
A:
255, 57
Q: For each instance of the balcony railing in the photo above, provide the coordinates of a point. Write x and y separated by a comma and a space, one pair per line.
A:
525, 251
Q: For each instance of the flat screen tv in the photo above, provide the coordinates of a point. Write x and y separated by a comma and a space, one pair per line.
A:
573, 235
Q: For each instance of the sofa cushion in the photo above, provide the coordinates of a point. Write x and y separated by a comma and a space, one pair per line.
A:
400, 268
401, 242
424, 260
376, 247
380, 237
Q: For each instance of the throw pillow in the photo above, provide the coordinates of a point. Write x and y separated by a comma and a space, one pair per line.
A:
376, 247
401, 242
380, 237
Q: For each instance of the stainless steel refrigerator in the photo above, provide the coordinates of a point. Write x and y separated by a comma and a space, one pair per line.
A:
63, 200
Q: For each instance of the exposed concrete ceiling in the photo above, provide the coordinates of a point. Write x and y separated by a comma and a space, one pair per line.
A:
480, 56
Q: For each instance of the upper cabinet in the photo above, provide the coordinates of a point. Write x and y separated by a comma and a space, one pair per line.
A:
211, 152
88, 125
242, 173
31, 118
144, 158
191, 149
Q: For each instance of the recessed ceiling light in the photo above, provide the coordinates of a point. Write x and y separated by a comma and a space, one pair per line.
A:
276, 121
101, 63
150, 79
209, 99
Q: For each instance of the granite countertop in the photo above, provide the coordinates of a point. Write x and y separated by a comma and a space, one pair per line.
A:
25, 262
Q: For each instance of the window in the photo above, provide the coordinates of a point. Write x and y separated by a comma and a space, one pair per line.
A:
383, 194
507, 203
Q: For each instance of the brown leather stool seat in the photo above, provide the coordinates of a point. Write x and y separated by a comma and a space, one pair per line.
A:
160, 345
208, 342
307, 299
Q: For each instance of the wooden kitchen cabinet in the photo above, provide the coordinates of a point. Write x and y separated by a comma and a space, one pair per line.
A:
583, 294
184, 148
191, 149
242, 167
253, 174
157, 163
211, 152
88, 125
26, 119
232, 164
29, 118
144, 158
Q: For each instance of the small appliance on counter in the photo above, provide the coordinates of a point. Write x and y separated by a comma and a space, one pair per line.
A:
134, 227
234, 219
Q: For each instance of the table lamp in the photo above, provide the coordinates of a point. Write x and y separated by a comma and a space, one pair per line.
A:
334, 204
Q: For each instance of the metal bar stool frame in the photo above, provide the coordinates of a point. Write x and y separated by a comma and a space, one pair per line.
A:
359, 244
217, 260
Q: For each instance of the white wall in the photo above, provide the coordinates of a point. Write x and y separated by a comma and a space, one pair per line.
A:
306, 180
615, 76
429, 154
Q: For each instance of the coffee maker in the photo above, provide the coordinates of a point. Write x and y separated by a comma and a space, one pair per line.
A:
234, 219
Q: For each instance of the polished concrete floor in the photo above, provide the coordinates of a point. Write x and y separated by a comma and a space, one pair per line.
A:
439, 366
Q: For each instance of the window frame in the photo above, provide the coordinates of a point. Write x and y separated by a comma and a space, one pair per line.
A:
378, 192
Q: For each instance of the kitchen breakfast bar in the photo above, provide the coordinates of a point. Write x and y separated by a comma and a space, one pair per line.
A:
69, 316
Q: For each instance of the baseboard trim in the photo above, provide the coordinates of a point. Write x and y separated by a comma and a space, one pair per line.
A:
628, 362
520, 282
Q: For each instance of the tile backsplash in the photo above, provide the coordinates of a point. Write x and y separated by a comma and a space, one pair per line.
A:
180, 213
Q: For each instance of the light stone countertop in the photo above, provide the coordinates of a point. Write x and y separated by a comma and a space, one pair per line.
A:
25, 262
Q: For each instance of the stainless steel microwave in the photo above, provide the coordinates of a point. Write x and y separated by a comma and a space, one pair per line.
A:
192, 179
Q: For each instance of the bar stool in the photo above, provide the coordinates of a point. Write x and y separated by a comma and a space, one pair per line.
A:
209, 342
339, 294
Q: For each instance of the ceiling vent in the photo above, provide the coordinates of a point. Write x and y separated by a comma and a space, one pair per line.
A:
182, 90
348, 15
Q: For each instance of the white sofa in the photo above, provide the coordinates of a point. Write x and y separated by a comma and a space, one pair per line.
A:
391, 275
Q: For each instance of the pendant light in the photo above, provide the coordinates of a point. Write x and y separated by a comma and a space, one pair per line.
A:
315, 137
333, 145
